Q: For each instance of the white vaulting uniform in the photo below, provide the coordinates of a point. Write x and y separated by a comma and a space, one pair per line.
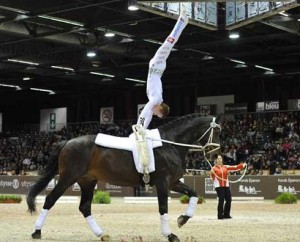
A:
157, 65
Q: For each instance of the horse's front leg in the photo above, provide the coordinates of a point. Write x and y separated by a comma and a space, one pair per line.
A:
190, 210
162, 188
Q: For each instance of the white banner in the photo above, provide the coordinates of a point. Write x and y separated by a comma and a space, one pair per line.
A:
200, 11
230, 13
173, 8
160, 6
260, 106
240, 11
211, 13
252, 9
53, 119
107, 115
263, 7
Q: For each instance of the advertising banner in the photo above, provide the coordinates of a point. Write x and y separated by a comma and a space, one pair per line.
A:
232, 108
294, 104
268, 187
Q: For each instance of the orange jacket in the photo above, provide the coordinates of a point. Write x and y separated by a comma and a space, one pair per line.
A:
221, 180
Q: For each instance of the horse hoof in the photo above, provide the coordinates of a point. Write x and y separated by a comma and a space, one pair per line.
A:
37, 234
105, 237
173, 238
182, 220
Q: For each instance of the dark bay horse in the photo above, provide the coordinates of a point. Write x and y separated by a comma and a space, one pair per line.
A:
81, 160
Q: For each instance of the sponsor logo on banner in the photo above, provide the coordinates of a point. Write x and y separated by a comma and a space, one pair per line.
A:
113, 188
251, 186
272, 105
209, 186
288, 185
14, 183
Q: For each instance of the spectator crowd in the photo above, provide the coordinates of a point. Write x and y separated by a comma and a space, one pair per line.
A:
266, 141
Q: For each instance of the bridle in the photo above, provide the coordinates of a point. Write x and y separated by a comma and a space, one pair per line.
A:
213, 125
209, 142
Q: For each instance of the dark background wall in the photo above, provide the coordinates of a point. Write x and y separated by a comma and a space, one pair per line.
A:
19, 107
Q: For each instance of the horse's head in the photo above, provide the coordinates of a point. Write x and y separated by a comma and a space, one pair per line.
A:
194, 128
212, 147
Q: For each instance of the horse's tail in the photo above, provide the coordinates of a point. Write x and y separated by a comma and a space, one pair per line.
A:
47, 174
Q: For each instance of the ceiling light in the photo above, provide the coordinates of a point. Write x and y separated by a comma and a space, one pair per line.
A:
15, 10
264, 68
26, 78
101, 74
240, 66
132, 5
283, 13
135, 80
61, 20
109, 34
237, 61
23, 62
91, 53
13, 86
269, 73
42, 90
234, 35
63, 68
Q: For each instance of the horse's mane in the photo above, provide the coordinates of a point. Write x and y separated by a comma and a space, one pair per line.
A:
182, 118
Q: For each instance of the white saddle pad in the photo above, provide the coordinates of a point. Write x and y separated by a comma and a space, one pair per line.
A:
129, 143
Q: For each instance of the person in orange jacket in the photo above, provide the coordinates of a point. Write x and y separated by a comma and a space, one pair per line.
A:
219, 175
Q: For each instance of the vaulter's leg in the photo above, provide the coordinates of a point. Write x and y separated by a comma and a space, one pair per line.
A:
164, 50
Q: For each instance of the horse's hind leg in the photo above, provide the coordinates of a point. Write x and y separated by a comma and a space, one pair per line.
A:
50, 200
190, 210
87, 191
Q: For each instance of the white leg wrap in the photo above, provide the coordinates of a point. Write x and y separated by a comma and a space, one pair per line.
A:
41, 219
191, 207
164, 224
94, 226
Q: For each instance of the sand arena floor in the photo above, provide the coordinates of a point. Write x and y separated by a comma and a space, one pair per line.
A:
265, 221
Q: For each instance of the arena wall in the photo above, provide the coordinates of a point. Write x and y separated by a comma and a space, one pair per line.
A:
267, 187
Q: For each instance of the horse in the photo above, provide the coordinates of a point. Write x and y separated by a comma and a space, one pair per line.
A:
81, 160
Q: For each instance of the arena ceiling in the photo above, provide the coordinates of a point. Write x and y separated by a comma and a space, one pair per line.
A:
37, 38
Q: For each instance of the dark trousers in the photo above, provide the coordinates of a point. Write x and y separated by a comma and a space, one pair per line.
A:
224, 194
